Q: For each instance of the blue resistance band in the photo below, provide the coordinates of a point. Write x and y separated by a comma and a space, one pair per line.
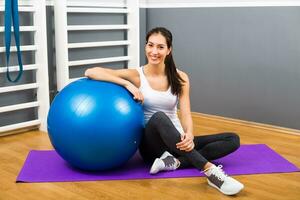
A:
11, 12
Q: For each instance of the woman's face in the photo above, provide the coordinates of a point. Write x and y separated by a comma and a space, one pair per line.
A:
156, 49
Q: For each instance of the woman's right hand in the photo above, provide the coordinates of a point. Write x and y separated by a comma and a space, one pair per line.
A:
137, 95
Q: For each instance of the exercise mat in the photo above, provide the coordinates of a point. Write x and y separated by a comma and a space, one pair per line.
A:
48, 166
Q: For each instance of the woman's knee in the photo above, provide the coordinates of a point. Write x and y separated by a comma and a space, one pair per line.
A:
163, 125
235, 140
159, 118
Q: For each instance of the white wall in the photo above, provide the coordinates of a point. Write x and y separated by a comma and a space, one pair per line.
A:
215, 3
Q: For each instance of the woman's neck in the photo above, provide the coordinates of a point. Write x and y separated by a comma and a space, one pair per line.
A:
155, 69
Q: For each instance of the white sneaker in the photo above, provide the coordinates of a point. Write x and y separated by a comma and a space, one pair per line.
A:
217, 178
166, 162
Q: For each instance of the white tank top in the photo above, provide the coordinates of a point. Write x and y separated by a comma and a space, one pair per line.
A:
155, 101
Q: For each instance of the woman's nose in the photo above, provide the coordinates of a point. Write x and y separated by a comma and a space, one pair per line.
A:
154, 50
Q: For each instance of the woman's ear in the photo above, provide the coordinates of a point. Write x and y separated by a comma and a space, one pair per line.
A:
169, 51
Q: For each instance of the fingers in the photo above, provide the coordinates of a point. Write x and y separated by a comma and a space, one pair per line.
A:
187, 148
184, 141
138, 96
186, 145
191, 147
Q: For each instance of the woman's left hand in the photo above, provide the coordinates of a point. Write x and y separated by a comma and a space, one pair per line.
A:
186, 143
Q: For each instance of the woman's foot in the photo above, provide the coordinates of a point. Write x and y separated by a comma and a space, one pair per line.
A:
217, 178
166, 162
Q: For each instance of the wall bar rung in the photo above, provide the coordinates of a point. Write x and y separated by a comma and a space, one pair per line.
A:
22, 28
18, 87
98, 44
21, 9
20, 125
95, 4
18, 106
16, 68
23, 48
96, 27
100, 60
95, 10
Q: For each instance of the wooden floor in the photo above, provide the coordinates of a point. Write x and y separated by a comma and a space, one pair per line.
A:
14, 149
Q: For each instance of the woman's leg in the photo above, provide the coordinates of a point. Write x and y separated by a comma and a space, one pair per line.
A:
213, 146
161, 135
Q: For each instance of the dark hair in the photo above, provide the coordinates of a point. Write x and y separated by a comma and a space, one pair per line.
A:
174, 79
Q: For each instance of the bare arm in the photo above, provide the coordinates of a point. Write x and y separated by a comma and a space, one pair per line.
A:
121, 77
128, 78
187, 143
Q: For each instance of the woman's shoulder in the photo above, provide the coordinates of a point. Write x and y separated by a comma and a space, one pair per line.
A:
183, 75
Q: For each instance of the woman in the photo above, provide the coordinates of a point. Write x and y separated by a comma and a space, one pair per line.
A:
167, 141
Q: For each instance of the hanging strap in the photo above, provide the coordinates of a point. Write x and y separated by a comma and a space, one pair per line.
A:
11, 13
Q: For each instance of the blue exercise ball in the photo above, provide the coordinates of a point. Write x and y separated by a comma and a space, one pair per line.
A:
95, 125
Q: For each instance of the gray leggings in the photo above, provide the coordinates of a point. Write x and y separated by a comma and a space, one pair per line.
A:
161, 135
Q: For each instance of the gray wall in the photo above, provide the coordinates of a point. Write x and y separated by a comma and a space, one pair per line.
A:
243, 63
143, 30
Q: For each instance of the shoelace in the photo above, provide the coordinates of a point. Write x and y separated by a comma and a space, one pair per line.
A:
218, 172
169, 161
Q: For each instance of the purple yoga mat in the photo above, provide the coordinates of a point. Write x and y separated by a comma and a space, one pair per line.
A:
47, 166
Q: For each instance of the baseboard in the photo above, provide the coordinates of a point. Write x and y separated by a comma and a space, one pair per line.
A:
246, 123
21, 130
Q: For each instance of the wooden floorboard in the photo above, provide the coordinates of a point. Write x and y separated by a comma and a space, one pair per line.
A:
14, 149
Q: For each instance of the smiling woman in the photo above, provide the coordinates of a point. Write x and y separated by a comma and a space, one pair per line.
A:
168, 142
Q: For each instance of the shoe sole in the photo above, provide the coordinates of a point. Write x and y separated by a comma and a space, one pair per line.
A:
227, 193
